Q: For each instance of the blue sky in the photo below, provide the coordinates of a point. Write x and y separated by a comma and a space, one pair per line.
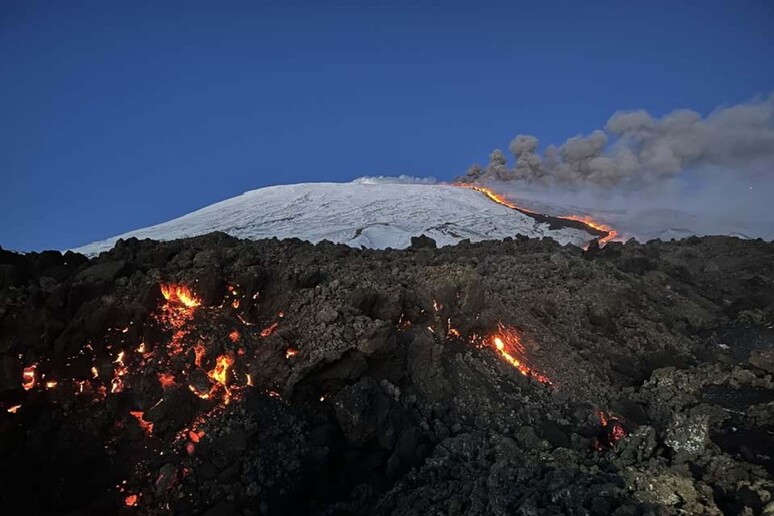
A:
119, 115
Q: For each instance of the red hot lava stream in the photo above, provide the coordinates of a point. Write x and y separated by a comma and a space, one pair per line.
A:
590, 222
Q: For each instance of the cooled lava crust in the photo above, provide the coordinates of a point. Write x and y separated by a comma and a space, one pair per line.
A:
221, 376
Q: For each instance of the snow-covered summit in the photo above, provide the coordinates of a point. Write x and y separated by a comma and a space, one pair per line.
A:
369, 214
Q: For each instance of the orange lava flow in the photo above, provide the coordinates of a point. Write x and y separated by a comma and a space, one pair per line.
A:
499, 199
220, 372
181, 294
166, 380
507, 342
146, 426
599, 226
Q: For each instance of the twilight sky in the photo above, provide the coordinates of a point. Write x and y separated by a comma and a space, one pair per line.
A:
118, 115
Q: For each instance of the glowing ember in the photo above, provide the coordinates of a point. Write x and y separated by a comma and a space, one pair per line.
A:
146, 426
202, 395
116, 385
28, 377
234, 336
494, 196
181, 294
131, 500
452, 332
199, 352
291, 352
14, 409
166, 380
94, 372
220, 372
51, 384
269, 329
235, 303
141, 348
612, 431
508, 344
249, 380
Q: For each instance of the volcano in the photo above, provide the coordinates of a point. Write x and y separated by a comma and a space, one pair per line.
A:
362, 214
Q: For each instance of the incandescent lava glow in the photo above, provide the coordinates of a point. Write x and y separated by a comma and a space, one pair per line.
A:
612, 431
131, 500
499, 199
599, 226
166, 380
146, 426
28, 377
493, 196
14, 409
220, 372
180, 294
269, 329
507, 342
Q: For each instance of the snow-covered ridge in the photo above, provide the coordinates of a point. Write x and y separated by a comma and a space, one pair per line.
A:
357, 214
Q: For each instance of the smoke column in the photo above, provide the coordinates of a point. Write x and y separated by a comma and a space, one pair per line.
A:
673, 176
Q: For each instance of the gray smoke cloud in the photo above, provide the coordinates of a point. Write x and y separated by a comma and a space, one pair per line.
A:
636, 148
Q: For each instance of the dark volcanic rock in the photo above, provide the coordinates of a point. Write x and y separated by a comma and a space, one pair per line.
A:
422, 242
628, 379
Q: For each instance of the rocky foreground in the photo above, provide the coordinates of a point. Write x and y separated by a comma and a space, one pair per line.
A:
220, 376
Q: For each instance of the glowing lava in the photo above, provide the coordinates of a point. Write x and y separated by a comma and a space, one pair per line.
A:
612, 431
599, 226
499, 199
146, 426
181, 294
507, 342
28, 377
166, 380
220, 372
269, 329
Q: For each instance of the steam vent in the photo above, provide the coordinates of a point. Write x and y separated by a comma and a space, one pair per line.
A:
220, 376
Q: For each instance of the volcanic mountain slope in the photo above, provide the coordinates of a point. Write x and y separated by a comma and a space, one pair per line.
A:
217, 376
375, 216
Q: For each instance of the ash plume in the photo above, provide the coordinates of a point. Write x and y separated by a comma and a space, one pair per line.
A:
636, 148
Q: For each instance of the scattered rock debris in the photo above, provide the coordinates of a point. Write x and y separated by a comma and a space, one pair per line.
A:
220, 376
